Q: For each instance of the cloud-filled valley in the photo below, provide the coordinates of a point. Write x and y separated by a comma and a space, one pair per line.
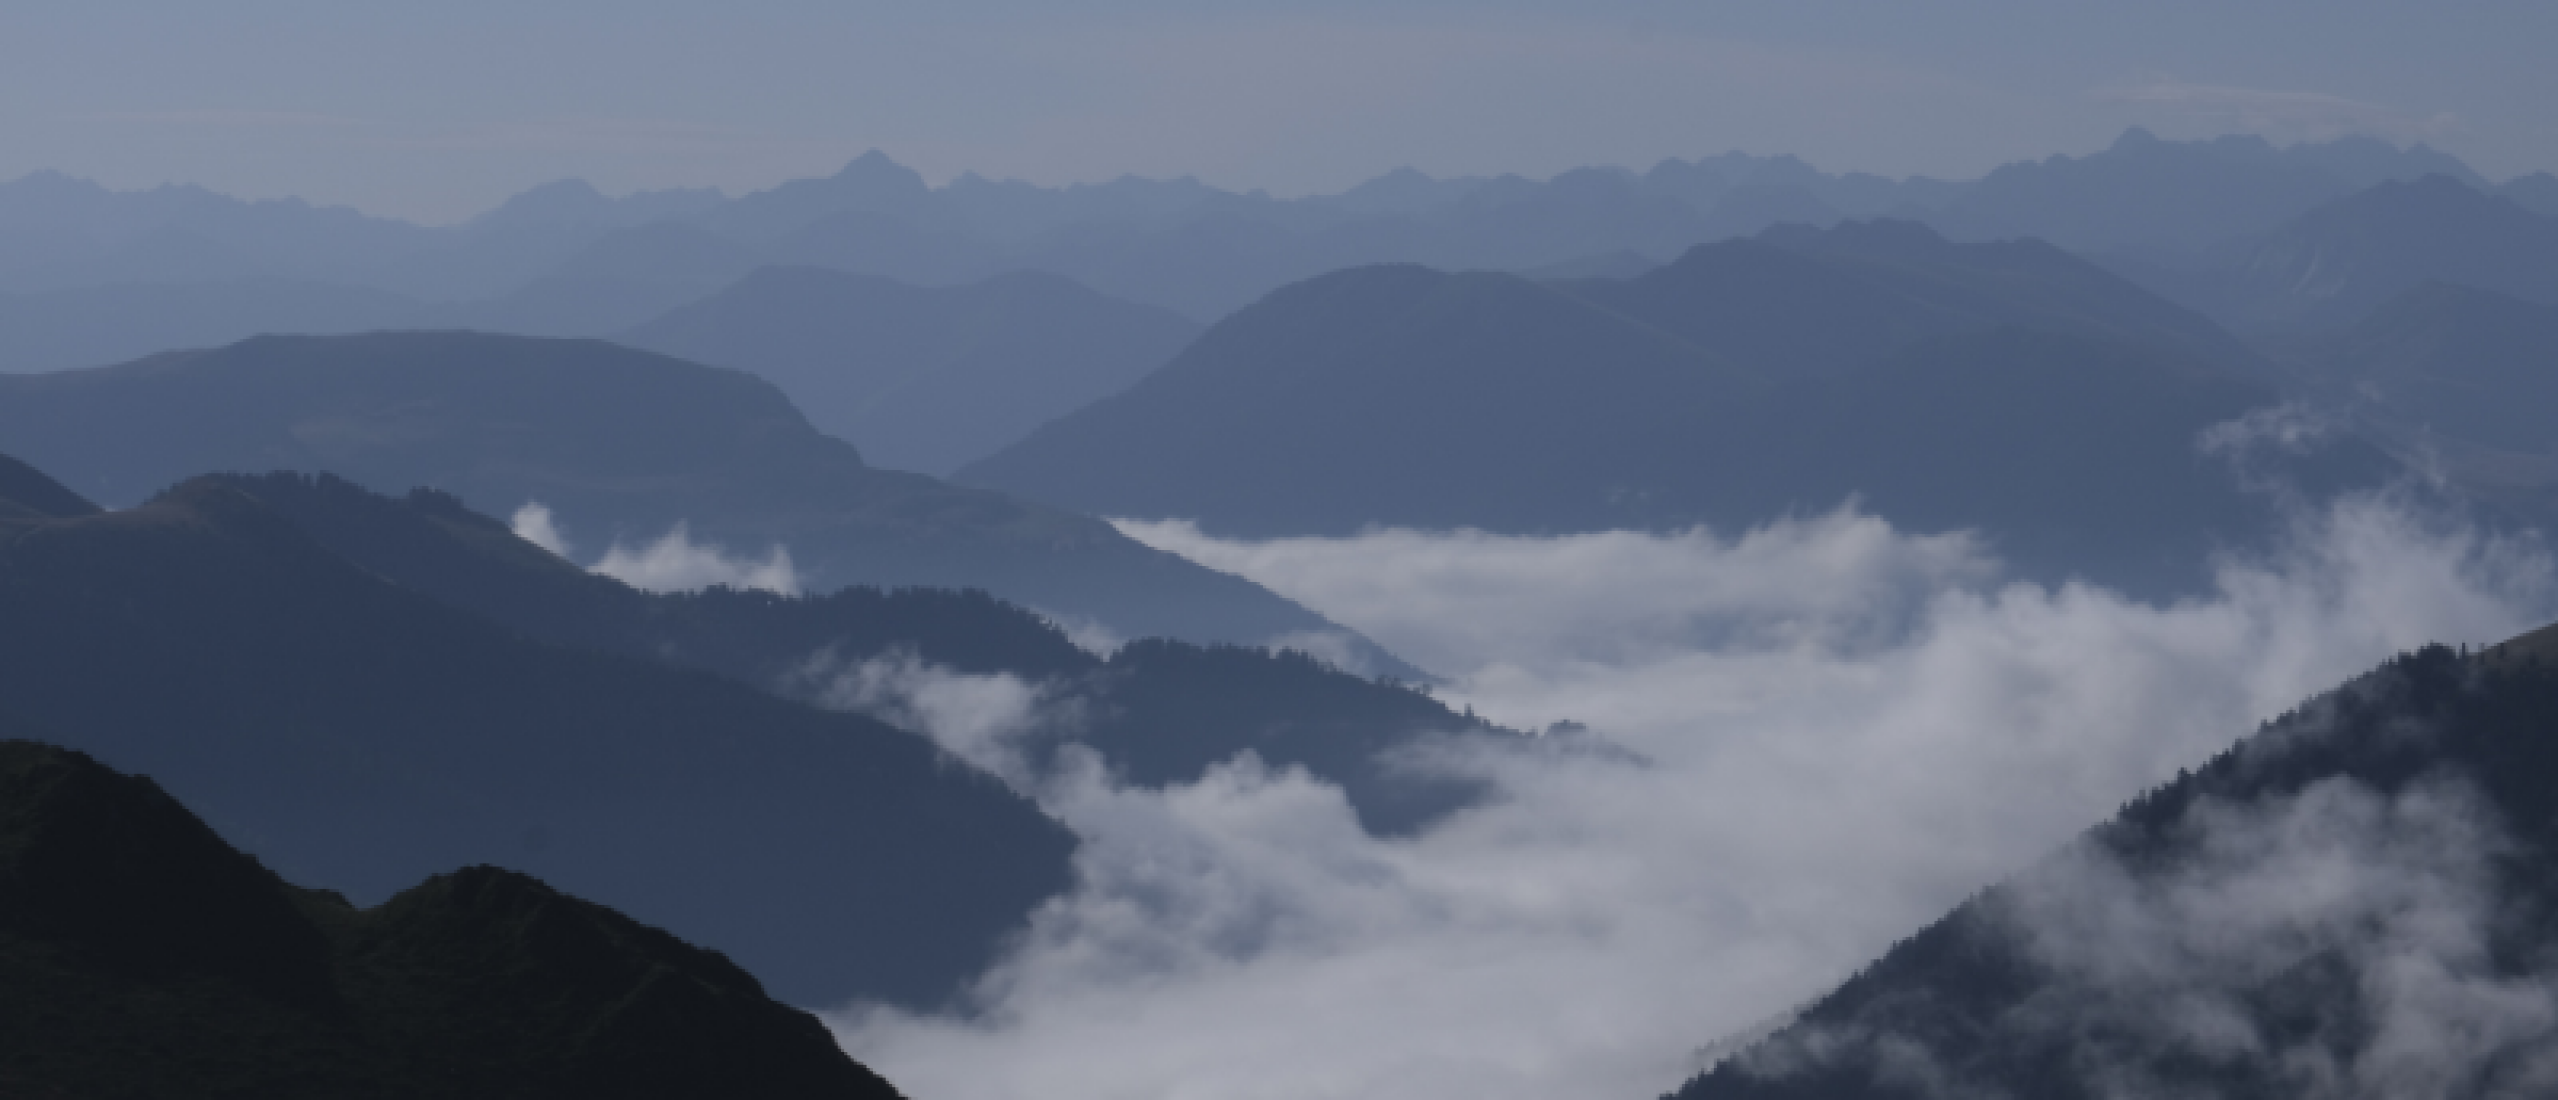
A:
1832, 730
1735, 629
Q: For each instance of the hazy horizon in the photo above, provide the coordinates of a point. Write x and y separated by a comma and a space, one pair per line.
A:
436, 116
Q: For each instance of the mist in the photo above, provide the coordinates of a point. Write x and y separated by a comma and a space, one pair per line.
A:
672, 562
1832, 731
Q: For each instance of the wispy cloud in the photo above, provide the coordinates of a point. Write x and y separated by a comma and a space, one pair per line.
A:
2290, 115
672, 562
1839, 730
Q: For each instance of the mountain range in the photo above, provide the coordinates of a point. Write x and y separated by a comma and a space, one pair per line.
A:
564, 260
923, 379
2327, 268
2353, 901
358, 735
1156, 711
622, 446
1932, 382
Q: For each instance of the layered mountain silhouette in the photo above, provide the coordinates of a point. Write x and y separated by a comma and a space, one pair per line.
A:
2008, 387
2331, 265
2353, 901
923, 379
96, 325
1156, 711
622, 445
2155, 198
359, 735
2458, 380
562, 259
146, 957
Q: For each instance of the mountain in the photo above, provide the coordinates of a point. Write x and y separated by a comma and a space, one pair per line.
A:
2153, 198
2456, 362
117, 322
563, 259
26, 493
2009, 388
922, 379
613, 281
2456, 379
1158, 712
146, 957
62, 227
2355, 901
358, 735
2537, 192
1797, 301
2331, 264
622, 446
1379, 395
529, 237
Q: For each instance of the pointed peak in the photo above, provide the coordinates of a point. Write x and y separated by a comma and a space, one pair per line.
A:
2134, 137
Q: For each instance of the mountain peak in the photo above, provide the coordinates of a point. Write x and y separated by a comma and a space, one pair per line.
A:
873, 169
2134, 138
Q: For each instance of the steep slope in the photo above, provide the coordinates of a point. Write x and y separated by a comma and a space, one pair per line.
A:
1795, 301
26, 493
621, 445
358, 735
2009, 388
1386, 394
2330, 265
922, 379
2355, 901
2456, 361
1158, 711
145, 957
2459, 381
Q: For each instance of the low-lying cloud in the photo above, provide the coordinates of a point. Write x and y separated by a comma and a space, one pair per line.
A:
672, 562
1839, 730
2333, 944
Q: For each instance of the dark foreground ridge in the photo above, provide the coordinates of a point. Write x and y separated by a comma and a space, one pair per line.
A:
2356, 901
357, 736
145, 957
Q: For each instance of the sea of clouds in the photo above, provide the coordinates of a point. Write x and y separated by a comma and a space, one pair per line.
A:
1836, 731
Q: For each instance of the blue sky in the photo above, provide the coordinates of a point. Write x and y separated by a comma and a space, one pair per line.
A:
437, 111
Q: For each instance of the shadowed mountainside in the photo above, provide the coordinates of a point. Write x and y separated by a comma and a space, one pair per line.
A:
2008, 387
1158, 711
2332, 265
2354, 901
2457, 381
922, 379
145, 957
358, 735
622, 445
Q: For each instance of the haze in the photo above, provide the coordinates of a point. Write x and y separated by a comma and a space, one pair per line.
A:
435, 113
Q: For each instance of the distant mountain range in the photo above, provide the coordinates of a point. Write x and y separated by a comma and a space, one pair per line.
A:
563, 260
622, 446
2333, 264
2354, 901
2009, 388
924, 379
146, 957
2456, 380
